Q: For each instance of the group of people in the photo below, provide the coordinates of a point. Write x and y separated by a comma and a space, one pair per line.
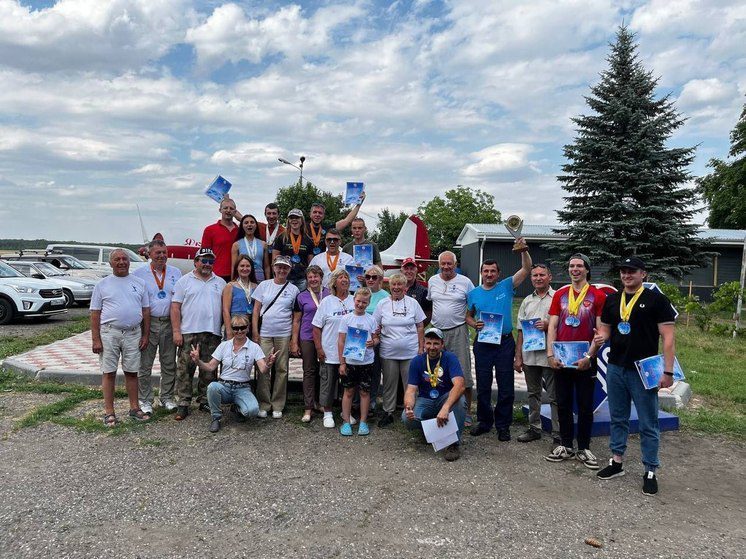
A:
260, 293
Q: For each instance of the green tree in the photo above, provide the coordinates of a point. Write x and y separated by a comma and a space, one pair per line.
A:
725, 188
389, 225
302, 196
626, 191
445, 217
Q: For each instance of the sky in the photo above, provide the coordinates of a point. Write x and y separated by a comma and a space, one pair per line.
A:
107, 105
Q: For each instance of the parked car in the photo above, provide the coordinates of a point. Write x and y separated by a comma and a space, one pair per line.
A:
97, 256
22, 296
65, 262
75, 290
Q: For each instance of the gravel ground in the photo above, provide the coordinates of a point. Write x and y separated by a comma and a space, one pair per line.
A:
25, 327
275, 488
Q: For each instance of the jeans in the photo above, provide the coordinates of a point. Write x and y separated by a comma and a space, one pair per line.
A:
623, 387
427, 408
219, 393
500, 358
572, 384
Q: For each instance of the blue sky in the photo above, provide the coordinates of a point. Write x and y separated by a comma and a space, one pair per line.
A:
105, 105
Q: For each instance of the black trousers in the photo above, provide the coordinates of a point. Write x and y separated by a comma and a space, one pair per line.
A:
575, 387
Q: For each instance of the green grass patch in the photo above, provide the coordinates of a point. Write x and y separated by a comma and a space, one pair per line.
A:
51, 411
13, 345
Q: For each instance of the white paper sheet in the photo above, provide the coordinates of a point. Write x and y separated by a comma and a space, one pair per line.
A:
441, 437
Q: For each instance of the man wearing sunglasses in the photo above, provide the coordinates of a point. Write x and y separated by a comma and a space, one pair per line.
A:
196, 308
333, 258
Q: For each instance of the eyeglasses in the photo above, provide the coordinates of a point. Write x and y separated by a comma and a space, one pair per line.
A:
332, 240
208, 261
239, 328
371, 277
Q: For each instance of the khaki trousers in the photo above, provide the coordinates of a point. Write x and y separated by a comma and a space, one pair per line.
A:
273, 397
162, 341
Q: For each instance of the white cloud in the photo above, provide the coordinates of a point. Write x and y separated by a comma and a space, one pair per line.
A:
500, 158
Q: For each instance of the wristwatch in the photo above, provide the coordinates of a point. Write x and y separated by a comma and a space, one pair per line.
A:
588, 355
668, 373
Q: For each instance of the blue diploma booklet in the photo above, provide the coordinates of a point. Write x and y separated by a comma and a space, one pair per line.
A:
352, 195
651, 370
533, 338
218, 188
354, 272
570, 352
492, 331
355, 344
362, 255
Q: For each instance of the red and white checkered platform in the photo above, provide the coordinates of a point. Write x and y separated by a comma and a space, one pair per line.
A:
74, 354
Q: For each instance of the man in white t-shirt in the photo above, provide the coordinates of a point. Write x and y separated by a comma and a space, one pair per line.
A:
196, 316
333, 257
273, 306
120, 323
160, 280
448, 291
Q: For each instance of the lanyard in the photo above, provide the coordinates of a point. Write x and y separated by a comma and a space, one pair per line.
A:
434, 373
271, 236
295, 241
162, 280
625, 309
250, 249
573, 304
315, 234
332, 263
315, 298
246, 290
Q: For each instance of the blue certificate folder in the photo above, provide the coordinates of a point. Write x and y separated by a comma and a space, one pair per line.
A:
354, 272
218, 188
569, 352
352, 195
533, 338
355, 344
492, 332
651, 370
363, 255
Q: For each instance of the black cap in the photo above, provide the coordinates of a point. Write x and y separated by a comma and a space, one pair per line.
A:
633, 263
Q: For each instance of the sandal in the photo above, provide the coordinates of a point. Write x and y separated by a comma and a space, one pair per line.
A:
110, 420
139, 415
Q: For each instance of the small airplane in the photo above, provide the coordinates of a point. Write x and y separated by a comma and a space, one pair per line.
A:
411, 242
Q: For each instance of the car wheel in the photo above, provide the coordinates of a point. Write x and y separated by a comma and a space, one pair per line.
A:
69, 299
6, 311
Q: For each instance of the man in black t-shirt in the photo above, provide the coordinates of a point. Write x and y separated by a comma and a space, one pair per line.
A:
317, 228
414, 289
633, 320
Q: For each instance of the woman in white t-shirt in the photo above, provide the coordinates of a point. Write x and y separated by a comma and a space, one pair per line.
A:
401, 320
325, 335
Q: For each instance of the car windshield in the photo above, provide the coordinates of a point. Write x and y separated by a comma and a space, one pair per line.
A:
48, 270
73, 263
134, 257
8, 272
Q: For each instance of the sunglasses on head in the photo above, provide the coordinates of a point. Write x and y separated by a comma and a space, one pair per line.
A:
239, 328
371, 276
209, 261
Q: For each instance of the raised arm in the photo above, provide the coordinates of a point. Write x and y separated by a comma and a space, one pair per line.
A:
345, 222
523, 272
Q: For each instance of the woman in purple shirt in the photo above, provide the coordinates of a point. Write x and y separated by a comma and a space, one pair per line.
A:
301, 342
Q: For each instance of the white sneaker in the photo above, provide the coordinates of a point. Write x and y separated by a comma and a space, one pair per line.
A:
170, 405
262, 414
329, 422
277, 414
145, 407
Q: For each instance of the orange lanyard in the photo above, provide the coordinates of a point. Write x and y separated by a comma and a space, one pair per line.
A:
332, 263
158, 282
315, 234
295, 241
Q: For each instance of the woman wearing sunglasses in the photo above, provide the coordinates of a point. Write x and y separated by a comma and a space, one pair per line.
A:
401, 320
238, 357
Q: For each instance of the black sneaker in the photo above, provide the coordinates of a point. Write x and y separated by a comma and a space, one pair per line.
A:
503, 435
528, 436
649, 484
452, 453
215, 426
479, 429
181, 413
386, 420
614, 469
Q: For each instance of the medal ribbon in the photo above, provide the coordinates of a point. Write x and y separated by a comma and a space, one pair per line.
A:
250, 249
315, 234
158, 282
295, 241
625, 309
315, 297
332, 263
246, 290
573, 304
271, 235
433, 374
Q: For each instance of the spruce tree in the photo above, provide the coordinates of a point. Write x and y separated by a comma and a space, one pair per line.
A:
626, 190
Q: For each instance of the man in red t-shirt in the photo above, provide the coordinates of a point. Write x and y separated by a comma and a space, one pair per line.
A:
574, 316
220, 237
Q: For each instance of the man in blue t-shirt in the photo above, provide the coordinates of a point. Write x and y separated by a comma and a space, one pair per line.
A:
435, 388
496, 352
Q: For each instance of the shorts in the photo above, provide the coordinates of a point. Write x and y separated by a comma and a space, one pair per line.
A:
358, 376
118, 342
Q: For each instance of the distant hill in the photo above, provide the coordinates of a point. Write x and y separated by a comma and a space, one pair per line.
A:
17, 244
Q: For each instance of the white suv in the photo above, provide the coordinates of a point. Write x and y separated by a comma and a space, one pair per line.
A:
22, 296
97, 256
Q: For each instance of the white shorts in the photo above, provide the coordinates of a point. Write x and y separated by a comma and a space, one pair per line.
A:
118, 342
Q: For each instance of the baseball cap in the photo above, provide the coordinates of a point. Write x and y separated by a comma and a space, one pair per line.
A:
204, 252
283, 260
295, 212
633, 262
407, 261
434, 333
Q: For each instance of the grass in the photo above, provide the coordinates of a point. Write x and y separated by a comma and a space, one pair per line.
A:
10, 345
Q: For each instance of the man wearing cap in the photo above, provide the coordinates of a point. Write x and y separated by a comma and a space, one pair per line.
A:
633, 320
220, 236
495, 298
358, 230
317, 229
332, 258
448, 291
272, 324
414, 289
435, 388
574, 316
160, 280
196, 312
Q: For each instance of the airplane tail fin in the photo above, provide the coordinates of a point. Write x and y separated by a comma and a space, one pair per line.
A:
412, 240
